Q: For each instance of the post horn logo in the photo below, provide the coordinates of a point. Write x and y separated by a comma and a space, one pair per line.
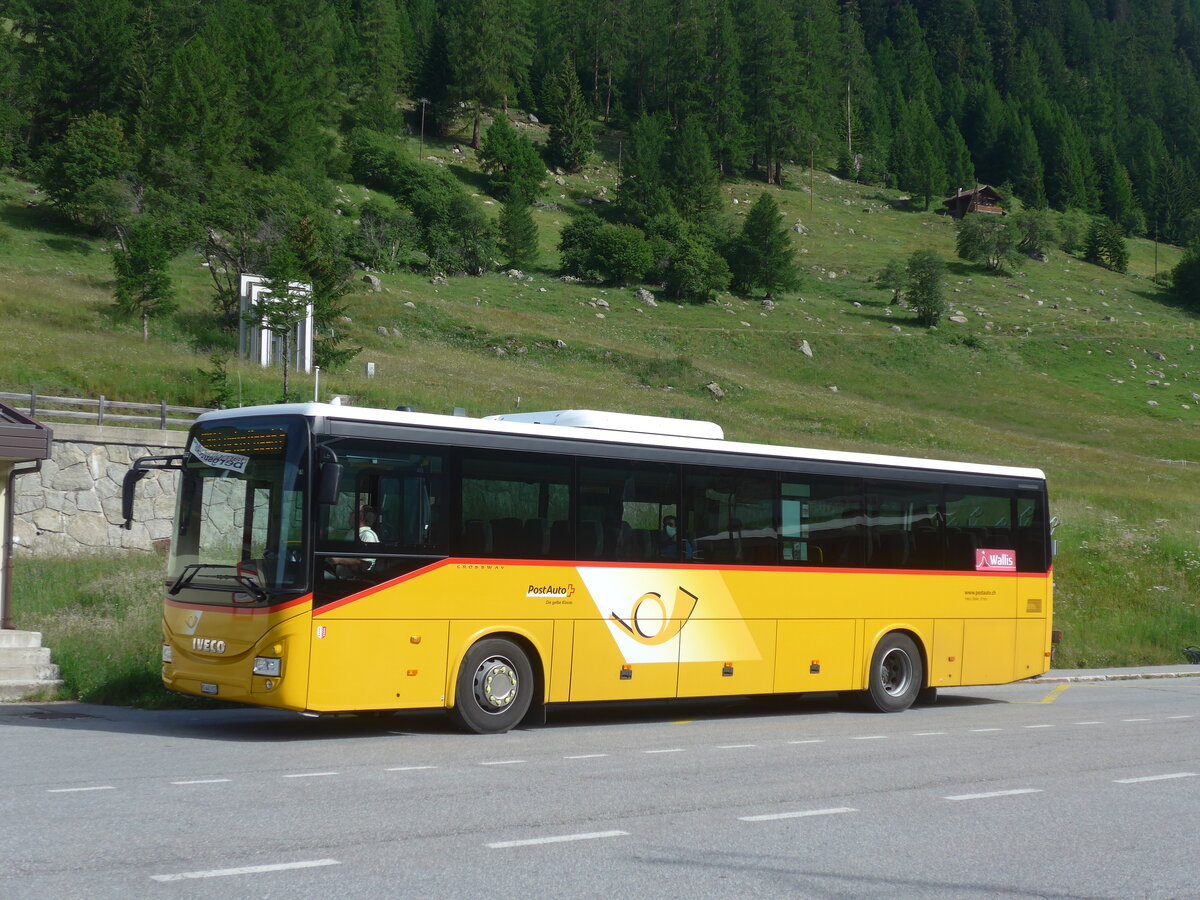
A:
651, 623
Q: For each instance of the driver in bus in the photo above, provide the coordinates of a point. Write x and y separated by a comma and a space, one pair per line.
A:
362, 525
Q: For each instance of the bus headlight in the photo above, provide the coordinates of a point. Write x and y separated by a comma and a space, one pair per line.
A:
168, 654
266, 665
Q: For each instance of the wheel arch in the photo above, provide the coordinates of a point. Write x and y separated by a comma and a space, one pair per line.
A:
877, 634
528, 643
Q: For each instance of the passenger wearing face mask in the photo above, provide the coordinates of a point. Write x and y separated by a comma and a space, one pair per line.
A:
669, 546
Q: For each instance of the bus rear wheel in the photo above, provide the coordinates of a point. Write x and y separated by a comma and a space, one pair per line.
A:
494, 687
896, 675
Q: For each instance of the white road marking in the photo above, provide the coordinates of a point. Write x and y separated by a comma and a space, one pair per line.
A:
1135, 720
1037, 726
247, 870
983, 730
504, 762
673, 750
586, 756
557, 839
1154, 778
409, 768
204, 781
928, 733
311, 775
1179, 717
990, 794
870, 737
809, 741
735, 746
1087, 723
802, 814
78, 790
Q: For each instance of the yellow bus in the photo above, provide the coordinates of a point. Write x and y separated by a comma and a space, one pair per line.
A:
332, 559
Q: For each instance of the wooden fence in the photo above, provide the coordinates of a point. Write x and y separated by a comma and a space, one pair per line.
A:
103, 411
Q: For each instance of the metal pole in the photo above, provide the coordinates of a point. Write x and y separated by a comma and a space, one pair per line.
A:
316, 384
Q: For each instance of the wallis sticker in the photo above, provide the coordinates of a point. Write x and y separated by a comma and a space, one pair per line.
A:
995, 560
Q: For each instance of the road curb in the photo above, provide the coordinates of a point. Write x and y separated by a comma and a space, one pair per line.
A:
1114, 676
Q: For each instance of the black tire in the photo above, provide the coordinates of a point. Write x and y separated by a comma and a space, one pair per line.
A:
494, 687
896, 675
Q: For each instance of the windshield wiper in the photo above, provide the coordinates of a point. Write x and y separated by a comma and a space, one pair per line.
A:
190, 571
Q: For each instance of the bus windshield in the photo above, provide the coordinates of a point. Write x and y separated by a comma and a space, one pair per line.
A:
240, 534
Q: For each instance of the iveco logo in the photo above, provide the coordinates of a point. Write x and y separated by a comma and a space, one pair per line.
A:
208, 645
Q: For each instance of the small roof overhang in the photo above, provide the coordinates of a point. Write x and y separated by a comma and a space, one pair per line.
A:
22, 438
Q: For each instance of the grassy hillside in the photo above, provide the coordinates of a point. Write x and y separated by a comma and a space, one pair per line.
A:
1091, 375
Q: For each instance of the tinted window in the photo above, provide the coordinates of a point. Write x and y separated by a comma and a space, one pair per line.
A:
822, 522
515, 506
390, 500
730, 516
623, 509
976, 520
903, 526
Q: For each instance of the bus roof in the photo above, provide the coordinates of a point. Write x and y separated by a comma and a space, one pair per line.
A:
614, 428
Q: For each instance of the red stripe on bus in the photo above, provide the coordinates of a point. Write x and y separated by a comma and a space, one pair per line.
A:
683, 567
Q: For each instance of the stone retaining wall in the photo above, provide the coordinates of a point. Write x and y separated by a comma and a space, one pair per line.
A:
74, 504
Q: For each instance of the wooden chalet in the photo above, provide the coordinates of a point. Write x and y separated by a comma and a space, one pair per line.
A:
981, 199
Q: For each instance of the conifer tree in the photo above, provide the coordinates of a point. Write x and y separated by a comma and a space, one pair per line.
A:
763, 255
518, 233
511, 162
693, 175
1105, 245
570, 141
643, 188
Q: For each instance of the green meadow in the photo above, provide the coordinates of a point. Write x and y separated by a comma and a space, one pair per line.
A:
1090, 375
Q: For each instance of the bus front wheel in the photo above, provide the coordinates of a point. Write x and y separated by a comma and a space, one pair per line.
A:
494, 687
896, 676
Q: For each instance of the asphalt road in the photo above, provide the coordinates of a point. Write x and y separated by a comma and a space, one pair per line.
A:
1067, 790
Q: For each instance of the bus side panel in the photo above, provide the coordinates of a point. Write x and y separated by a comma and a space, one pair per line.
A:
598, 668
360, 664
946, 655
988, 648
1031, 656
826, 645
1033, 627
748, 670
559, 664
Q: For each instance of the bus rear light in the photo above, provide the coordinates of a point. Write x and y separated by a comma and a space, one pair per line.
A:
168, 653
269, 666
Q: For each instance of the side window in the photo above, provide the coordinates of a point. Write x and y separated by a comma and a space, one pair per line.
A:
903, 525
390, 500
731, 515
630, 512
976, 519
1031, 533
515, 506
822, 522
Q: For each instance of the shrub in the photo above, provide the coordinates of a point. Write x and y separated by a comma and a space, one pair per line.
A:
620, 254
925, 296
